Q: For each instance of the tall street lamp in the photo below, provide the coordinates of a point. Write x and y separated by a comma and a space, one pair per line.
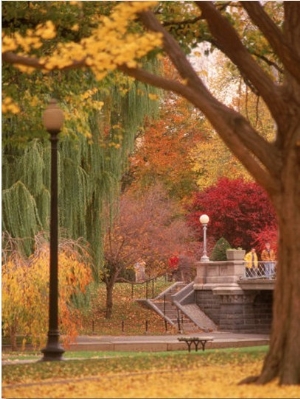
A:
204, 219
53, 119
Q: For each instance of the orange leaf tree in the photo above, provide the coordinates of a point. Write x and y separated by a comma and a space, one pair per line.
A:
162, 153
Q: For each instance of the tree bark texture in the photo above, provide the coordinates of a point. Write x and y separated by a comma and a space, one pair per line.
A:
283, 359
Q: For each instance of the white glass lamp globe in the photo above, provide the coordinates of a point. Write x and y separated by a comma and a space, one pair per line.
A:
204, 219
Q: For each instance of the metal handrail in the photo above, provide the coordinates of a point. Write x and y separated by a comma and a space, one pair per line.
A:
262, 271
146, 282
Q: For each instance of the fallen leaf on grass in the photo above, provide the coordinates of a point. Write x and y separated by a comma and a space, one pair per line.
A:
209, 382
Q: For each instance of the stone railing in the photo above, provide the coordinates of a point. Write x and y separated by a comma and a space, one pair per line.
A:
227, 272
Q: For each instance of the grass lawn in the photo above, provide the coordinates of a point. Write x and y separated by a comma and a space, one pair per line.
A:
69, 355
212, 373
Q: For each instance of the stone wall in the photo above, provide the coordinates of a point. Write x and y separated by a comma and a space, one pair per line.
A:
263, 304
233, 308
237, 313
209, 304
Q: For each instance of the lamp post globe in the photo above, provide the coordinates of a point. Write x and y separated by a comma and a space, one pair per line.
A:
53, 119
204, 219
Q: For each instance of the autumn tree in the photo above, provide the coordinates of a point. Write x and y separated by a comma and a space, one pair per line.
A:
270, 42
162, 152
211, 160
267, 235
148, 226
25, 290
239, 211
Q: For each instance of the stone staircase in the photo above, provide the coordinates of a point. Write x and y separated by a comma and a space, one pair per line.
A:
172, 305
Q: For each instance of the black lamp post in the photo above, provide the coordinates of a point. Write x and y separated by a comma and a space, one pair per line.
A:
53, 119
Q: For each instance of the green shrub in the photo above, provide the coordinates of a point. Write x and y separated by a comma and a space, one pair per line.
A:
219, 250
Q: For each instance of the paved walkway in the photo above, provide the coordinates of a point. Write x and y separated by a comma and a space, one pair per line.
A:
158, 343
165, 342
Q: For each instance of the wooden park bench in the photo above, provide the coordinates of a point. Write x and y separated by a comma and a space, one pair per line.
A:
196, 341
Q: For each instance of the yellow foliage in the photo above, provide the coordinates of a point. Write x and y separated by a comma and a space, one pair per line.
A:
25, 286
9, 106
25, 69
75, 27
89, 93
212, 160
210, 381
76, 3
31, 40
153, 96
109, 45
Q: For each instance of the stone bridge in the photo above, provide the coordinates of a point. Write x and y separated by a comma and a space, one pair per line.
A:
233, 302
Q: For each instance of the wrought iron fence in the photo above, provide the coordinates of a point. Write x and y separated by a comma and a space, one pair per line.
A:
265, 270
151, 285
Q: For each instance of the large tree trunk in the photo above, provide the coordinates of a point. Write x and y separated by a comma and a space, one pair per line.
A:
283, 359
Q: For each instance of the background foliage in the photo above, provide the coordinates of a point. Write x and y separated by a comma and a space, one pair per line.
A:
25, 291
238, 211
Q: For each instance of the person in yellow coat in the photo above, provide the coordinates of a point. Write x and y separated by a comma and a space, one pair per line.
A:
268, 256
251, 263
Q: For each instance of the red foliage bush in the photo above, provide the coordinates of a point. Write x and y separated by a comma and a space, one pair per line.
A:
238, 210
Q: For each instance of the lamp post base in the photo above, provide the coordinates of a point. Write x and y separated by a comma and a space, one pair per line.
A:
53, 350
51, 354
204, 258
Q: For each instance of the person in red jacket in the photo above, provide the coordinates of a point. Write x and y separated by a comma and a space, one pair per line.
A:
173, 266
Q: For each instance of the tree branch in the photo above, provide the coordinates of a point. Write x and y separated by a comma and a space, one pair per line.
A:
267, 61
174, 51
231, 45
272, 33
15, 59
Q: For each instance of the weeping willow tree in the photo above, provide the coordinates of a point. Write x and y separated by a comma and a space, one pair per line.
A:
90, 167
101, 122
